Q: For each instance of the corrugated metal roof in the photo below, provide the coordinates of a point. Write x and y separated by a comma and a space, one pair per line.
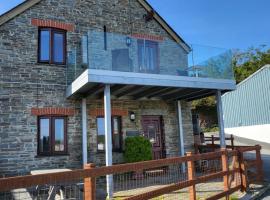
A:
249, 104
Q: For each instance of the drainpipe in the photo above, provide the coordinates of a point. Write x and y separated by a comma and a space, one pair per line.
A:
181, 133
108, 138
84, 132
220, 120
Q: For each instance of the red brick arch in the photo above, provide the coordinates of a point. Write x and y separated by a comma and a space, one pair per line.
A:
52, 24
52, 111
100, 112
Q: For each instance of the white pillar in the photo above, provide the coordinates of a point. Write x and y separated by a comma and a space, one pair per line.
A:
84, 131
108, 138
220, 120
181, 133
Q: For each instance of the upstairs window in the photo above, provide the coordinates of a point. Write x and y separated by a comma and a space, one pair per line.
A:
148, 56
52, 135
52, 46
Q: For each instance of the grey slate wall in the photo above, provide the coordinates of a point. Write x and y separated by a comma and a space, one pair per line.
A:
26, 84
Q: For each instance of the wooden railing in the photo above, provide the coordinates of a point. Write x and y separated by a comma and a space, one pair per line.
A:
247, 164
90, 173
213, 138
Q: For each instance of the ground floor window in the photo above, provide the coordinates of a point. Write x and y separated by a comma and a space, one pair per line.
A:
116, 134
52, 135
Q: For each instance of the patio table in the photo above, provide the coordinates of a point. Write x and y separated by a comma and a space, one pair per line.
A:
51, 187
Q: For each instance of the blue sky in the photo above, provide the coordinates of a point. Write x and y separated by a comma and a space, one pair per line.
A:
222, 23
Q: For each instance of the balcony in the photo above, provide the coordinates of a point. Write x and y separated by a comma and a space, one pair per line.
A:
146, 60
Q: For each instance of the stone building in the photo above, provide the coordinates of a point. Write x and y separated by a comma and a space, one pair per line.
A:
59, 58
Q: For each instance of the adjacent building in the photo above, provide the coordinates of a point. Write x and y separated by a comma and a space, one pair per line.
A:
246, 110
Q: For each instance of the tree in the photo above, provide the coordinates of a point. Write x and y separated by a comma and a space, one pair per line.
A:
247, 62
244, 64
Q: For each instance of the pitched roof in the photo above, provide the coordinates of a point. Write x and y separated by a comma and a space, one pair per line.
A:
250, 77
29, 3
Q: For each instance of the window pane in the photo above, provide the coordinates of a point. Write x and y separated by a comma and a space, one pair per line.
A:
148, 56
101, 133
59, 131
141, 54
44, 46
116, 133
44, 144
58, 47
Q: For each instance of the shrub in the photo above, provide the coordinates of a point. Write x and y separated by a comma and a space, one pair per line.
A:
137, 149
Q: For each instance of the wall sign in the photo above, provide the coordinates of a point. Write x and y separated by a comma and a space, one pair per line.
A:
133, 133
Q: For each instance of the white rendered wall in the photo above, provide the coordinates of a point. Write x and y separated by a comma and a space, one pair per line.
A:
259, 133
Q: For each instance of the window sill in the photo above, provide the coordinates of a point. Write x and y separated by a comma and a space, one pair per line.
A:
101, 151
55, 155
51, 64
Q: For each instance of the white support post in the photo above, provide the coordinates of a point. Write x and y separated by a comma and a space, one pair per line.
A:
108, 138
84, 131
181, 133
220, 120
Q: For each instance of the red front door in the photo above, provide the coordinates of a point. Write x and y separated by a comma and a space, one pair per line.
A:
152, 129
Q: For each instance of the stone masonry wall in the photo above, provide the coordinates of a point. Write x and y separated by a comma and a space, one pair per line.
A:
26, 84
168, 112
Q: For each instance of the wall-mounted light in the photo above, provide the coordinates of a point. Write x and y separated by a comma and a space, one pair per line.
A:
132, 116
149, 16
128, 41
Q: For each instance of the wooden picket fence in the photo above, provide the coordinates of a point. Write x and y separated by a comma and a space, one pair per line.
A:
90, 173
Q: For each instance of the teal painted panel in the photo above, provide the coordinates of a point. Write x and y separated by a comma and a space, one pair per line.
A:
249, 104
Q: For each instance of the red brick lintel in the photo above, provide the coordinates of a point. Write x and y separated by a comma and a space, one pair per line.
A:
148, 37
52, 111
52, 24
115, 112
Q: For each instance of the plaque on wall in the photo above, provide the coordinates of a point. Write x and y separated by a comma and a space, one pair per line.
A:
133, 133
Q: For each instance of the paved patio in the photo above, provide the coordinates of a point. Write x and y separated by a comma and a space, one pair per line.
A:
203, 191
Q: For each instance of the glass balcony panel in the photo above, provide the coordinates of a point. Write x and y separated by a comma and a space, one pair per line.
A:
133, 53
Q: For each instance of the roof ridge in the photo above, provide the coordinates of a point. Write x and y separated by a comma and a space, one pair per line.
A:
250, 76
254, 74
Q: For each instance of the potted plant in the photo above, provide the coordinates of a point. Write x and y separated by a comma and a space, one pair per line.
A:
137, 149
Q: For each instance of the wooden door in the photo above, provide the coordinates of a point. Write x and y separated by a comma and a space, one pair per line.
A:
152, 129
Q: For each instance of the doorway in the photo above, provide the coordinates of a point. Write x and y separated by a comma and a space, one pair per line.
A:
153, 130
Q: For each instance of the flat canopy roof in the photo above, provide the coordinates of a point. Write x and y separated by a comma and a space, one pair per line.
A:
138, 85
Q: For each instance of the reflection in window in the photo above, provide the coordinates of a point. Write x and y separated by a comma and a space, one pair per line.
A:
58, 47
59, 135
116, 134
44, 45
44, 135
101, 134
152, 133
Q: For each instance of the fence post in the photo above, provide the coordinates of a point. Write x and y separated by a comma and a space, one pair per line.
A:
89, 185
243, 171
235, 165
232, 141
259, 163
191, 176
196, 148
213, 139
225, 168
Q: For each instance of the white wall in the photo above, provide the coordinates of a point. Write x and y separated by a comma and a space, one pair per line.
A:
259, 133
